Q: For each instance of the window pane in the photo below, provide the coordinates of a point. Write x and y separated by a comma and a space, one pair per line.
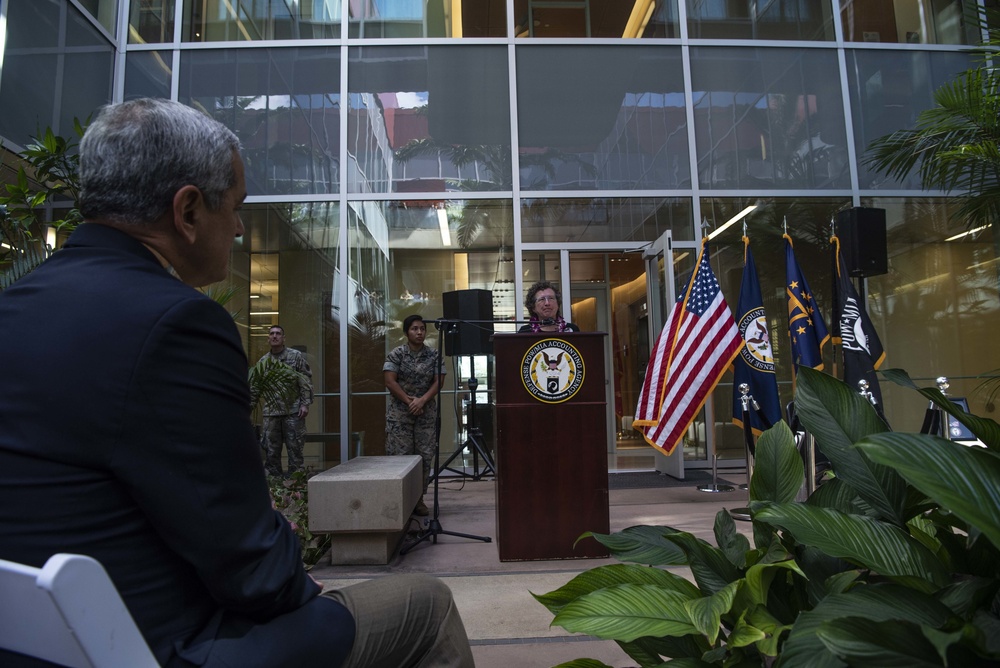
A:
283, 272
888, 91
249, 20
606, 219
601, 117
284, 104
908, 21
428, 119
147, 74
105, 11
779, 19
769, 118
427, 18
596, 18
151, 21
44, 63
946, 291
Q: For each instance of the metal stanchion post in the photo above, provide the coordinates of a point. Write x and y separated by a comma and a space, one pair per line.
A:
746, 399
715, 486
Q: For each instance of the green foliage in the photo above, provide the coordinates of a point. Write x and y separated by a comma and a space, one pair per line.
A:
272, 381
49, 173
893, 562
955, 145
291, 496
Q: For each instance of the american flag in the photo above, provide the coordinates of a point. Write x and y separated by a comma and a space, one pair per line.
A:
692, 352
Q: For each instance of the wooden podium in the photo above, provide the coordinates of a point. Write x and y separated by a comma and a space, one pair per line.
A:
551, 445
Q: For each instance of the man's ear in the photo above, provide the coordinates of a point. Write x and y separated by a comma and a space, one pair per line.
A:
187, 205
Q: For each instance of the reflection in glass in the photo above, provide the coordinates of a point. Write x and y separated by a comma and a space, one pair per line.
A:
50, 75
428, 119
105, 11
147, 74
285, 270
769, 118
943, 286
780, 19
596, 18
427, 18
909, 21
151, 22
251, 20
888, 91
601, 117
284, 104
606, 219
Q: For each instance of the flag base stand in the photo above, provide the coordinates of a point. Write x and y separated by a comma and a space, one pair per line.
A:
715, 487
742, 514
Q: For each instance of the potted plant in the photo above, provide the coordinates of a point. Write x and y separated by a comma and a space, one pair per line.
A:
895, 561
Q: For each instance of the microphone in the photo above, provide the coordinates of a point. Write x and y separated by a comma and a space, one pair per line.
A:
547, 322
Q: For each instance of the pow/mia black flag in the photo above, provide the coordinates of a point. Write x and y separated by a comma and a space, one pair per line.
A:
855, 333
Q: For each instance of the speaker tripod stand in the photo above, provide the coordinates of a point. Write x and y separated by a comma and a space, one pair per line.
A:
474, 442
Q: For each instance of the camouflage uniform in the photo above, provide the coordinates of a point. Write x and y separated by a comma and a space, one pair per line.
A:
407, 434
281, 419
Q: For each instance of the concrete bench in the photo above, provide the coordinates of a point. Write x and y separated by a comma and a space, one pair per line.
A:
366, 504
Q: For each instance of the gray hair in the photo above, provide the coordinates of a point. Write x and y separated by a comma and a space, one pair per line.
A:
136, 155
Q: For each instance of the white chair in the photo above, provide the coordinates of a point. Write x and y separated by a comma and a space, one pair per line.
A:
68, 612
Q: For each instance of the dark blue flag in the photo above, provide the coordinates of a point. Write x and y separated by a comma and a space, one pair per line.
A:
855, 333
806, 329
755, 363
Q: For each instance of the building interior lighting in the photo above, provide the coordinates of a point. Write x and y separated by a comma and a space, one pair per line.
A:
732, 221
443, 224
968, 232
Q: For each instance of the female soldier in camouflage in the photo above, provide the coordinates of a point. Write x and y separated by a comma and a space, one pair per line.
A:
413, 375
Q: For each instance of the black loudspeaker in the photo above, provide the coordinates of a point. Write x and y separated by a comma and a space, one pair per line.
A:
468, 338
862, 241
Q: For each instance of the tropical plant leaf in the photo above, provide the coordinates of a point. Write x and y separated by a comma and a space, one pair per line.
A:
626, 612
732, 543
642, 545
706, 612
583, 663
760, 617
838, 495
873, 602
711, 569
838, 417
987, 430
760, 576
744, 634
862, 642
777, 472
609, 576
881, 547
964, 480
647, 651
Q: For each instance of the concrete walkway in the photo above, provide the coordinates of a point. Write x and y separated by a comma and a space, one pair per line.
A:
506, 626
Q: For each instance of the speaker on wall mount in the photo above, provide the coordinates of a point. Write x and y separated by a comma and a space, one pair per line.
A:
861, 231
469, 337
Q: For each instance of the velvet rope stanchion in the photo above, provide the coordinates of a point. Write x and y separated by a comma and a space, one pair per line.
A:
746, 400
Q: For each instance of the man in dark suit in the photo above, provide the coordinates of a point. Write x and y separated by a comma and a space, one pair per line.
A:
126, 431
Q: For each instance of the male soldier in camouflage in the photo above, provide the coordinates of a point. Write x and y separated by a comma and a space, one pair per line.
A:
413, 375
284, 421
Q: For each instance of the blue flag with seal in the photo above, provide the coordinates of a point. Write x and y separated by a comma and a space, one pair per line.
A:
755, 363
806, 328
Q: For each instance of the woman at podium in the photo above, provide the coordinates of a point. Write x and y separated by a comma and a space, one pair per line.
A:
544, 303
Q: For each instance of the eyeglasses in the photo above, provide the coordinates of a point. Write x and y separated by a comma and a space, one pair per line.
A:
546, 298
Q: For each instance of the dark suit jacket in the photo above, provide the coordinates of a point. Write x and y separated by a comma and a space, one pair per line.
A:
125, 434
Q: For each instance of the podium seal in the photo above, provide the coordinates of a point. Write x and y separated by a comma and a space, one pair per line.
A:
552, 371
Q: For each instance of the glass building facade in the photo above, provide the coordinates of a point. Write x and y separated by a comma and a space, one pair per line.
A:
400, 149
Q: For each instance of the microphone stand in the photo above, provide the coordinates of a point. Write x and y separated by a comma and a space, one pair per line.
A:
434, 528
